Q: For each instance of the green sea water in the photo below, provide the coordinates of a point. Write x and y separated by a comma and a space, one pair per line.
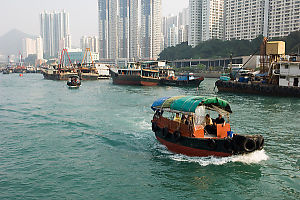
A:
96, 142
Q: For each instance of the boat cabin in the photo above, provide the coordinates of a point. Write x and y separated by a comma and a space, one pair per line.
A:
289, 73
188, 116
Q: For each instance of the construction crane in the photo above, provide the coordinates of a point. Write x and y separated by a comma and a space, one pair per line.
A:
85, 57
264, 62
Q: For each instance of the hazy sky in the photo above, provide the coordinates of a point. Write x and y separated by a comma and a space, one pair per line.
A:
24, 15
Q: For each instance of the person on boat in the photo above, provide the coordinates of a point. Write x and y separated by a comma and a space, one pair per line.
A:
177, 118
208, 124
183, 119
189, 120
219, 120
157, 114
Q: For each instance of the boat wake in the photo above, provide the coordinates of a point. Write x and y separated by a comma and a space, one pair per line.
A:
251, 158
143, 125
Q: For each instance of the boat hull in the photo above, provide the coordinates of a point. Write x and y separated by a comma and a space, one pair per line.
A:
58, 76
190, 151
194, 146
88, 76
193, 82
256, 88
211, 146
132, 80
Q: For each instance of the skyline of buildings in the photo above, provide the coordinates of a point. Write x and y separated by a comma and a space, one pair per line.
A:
135, 29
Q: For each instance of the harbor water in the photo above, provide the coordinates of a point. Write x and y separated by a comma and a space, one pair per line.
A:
96, 142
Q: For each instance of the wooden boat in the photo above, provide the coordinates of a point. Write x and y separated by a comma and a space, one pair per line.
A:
190, 135
134, 74
59, 74
74, 82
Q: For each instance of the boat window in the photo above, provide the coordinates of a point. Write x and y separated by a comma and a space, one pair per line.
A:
286, 66
168, 115
199, 115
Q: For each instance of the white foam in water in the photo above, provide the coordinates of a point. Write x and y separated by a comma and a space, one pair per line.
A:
144, 125
254, 157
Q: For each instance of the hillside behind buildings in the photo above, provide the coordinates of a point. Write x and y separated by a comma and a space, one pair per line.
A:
222, 49
11, 42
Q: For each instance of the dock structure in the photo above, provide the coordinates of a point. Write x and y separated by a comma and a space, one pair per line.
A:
220, 62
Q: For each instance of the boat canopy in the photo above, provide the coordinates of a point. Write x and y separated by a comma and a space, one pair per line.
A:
190, 103
158, 103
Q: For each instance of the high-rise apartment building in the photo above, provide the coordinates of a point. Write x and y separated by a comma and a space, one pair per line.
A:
283, 17
89, 42
175, 28
32, 47
55, 32
168, 23
244, 19
173, 36
129, 29
271, 18
206, 20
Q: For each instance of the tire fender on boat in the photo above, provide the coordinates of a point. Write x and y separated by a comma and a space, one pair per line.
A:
165, 132
260, 143
176, 136
154, 126
228, 144
212, 144
249, 145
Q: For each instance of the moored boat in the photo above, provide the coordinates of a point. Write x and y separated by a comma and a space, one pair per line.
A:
182, 80
180, 123
59, 74
135, 74
279, 74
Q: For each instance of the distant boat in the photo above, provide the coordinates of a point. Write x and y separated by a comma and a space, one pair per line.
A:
6, 71
182, 80
74, 82
145, 74
103, 71
225, 77
152, 73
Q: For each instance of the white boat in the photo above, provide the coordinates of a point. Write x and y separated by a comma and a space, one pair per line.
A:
103, 71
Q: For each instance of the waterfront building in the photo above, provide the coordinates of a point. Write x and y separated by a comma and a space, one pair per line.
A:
76, 56
32, 46
206, 20
28, 46
129, 29
39, 48
54, 28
